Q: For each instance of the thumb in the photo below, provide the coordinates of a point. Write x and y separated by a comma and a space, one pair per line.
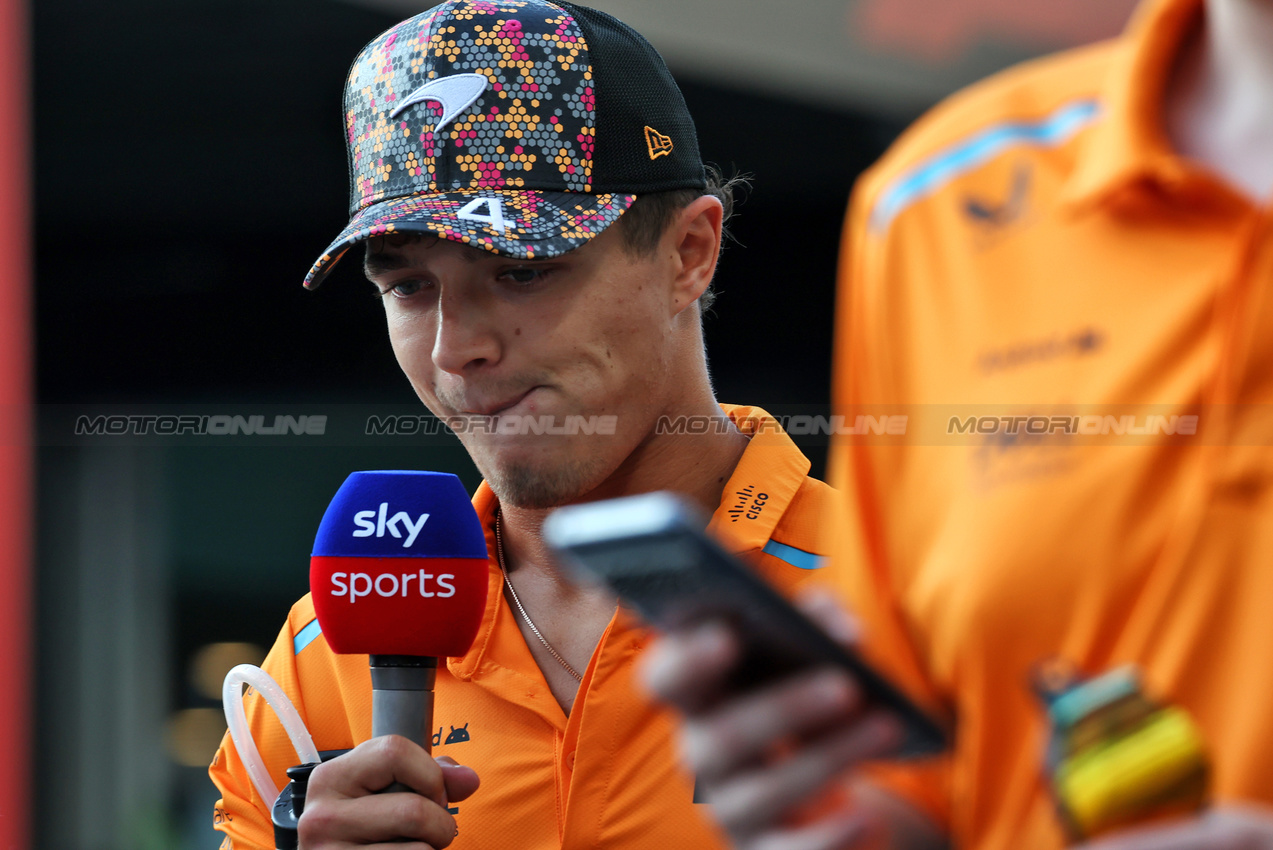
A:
459, 780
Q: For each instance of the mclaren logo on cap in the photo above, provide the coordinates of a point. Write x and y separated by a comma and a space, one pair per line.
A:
659, 144
456, 93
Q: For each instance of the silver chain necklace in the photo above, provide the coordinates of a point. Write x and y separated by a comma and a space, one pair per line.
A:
499, 554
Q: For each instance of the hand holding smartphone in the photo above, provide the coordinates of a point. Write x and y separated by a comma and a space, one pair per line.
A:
653, 552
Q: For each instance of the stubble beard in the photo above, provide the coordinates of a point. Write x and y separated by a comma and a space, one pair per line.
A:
532, 486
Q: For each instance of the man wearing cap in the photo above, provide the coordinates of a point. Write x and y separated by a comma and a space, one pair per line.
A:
526, 180
1083, 244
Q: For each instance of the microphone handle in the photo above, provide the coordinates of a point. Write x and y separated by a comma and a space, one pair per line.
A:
402, 700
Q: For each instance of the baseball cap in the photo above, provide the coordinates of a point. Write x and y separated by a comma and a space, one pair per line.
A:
520, 127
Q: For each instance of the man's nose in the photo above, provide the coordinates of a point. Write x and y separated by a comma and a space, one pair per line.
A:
466, 335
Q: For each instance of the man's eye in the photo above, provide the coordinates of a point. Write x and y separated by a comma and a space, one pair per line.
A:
403, 289
524, 275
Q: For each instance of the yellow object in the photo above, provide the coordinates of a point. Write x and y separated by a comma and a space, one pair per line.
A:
1115, 782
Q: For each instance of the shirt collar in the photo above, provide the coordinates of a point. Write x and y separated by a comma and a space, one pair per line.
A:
486, 505
1129, 147
772, 465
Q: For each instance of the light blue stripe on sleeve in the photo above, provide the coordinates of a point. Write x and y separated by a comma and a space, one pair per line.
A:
306, 636
938, 170
796, 557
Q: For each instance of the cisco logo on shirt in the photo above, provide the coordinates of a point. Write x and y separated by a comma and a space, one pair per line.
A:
749, 505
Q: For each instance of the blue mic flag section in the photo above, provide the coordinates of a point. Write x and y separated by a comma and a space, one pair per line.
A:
401, 514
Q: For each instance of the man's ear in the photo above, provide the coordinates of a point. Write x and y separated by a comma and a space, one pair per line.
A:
694, 239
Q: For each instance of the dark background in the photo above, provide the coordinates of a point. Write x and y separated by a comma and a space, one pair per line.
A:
190, 168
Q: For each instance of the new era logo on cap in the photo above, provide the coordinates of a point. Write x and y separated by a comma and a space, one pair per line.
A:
514, 126
659, 144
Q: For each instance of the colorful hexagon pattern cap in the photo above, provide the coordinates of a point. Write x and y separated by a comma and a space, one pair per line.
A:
519, 127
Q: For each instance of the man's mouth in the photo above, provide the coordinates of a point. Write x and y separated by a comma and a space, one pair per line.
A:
479, 406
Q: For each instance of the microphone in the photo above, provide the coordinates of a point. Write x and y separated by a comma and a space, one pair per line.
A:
399, 573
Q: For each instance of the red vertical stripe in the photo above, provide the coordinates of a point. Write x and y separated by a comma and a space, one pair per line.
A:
15, 433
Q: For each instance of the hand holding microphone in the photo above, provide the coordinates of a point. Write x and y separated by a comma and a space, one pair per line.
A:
399, 573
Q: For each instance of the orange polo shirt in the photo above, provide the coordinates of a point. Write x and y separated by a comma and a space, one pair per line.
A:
1034, 248
606, 776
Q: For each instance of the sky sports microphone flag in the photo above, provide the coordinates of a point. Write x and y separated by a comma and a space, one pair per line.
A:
400, 566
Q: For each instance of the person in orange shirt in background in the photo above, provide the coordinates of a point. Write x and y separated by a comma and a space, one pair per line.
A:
537, 219
1062, 275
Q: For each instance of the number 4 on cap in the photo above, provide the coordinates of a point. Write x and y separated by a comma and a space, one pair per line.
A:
494, 217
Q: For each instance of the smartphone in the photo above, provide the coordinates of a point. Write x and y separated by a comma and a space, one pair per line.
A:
653, 552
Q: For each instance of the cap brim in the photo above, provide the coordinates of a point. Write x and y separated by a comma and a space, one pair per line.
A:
535, 224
